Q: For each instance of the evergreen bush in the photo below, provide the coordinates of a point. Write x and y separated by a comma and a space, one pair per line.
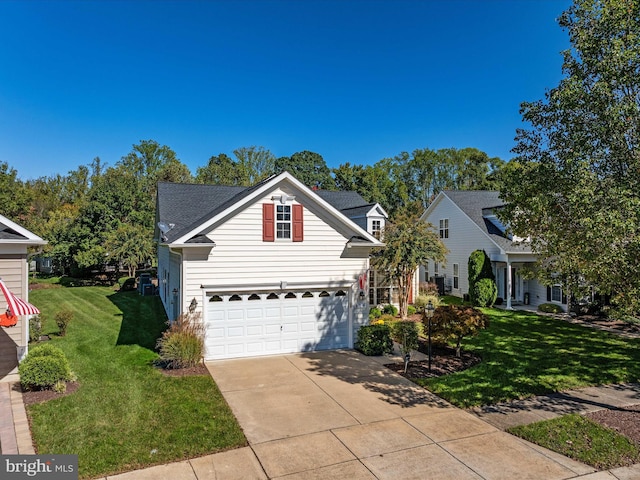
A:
45, 367
374, 340
485, 292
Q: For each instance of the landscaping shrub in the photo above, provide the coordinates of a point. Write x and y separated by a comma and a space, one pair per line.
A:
484, 292
45, 367
63, 318
35, 328
182, 344
411, 310
374, 313
426, 288
390, 310
127, 284
423, 300
374, 340
479, 266
47, 350
406, 334
387, 319
455, 322
550, 308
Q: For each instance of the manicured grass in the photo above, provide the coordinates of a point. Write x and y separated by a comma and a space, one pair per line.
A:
524, 354
582, 439
126, 415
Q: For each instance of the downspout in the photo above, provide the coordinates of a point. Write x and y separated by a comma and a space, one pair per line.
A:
177, 309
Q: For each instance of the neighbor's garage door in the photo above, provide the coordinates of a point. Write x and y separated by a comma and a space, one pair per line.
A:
246, 324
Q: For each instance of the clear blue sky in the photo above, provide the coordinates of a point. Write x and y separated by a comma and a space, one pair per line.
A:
353, 80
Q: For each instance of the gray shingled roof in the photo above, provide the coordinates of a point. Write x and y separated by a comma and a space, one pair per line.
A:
177, 201
6, 233
472, 202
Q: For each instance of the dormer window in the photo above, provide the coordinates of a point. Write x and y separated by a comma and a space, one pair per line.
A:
376, 228
283, 221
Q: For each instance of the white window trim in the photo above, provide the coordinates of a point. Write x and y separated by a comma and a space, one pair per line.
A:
290, 222
443, 229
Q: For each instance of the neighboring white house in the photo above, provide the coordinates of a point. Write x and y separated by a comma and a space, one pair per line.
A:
14, 271
467, 221
273, 268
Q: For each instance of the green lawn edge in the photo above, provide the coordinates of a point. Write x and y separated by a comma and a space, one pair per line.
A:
581, 439
126, 415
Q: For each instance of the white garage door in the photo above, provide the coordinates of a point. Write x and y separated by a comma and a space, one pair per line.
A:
246, 324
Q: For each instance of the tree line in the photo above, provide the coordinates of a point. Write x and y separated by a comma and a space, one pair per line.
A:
99, 215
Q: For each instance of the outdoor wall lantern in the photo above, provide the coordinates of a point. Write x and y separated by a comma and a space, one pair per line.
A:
429, 309
193, 305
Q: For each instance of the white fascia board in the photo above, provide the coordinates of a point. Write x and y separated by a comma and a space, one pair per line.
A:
31, 238
284, 177
383, 212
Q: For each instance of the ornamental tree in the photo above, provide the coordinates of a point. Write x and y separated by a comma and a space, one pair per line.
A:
573, 187
409, 243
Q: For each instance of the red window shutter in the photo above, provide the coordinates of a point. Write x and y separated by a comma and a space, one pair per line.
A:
268, 222
297, 225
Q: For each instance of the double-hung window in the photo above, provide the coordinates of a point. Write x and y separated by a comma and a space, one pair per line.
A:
556, 293
283, 221
456, 275
376, 228
444, 228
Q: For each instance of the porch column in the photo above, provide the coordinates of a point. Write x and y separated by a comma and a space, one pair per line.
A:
509, 286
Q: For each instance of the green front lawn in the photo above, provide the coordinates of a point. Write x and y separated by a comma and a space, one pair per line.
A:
582, 439
126, 414
524, 354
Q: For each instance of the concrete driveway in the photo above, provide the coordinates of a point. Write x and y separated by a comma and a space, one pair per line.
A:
340, 414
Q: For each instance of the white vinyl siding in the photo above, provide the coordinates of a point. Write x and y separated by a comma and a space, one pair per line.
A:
14, 273
464, 236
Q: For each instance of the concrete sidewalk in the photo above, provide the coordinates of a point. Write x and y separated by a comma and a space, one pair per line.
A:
535, 409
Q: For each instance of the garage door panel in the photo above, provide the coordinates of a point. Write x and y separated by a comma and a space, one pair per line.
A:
253, 324
254, 330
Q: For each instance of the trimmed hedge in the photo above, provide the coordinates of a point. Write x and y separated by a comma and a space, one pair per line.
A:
484, 292
374, 340
45, 367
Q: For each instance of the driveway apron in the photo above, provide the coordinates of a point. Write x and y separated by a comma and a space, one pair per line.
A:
339, 414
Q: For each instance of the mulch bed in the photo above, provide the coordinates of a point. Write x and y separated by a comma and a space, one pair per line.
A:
38, 396
443, 362
625, 421
199, 369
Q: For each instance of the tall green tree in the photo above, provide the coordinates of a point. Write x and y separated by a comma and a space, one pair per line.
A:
409, 243
254, 164
308, 167
574, 186
15, 198
219, 170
